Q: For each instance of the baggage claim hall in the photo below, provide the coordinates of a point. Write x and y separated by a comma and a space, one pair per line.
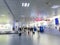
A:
29, 22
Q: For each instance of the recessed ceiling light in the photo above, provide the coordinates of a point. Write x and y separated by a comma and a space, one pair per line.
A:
25, 4
55, 6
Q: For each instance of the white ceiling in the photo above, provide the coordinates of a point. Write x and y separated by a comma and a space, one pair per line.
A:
24, 14
3, 8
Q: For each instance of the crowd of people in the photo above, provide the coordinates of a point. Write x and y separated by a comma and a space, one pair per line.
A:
32, 29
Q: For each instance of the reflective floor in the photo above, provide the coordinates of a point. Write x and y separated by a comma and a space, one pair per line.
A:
30, 39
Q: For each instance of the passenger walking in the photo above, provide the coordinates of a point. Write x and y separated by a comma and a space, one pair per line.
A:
34, 30
19, 31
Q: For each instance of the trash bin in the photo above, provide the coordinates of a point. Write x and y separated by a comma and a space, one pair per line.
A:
41, 29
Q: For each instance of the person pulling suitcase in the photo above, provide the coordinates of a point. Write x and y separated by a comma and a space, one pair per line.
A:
34, 29
20, 31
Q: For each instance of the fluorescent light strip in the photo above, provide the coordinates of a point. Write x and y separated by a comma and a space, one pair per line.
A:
55, 6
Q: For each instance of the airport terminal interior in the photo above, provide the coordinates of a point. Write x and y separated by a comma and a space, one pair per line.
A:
29, 22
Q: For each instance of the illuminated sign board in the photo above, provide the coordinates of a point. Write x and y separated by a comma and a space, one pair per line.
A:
38, 19
25, 4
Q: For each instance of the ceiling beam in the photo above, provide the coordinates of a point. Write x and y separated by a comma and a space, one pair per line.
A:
9, 8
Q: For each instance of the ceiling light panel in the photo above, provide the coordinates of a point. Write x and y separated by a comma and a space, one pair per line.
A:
25, 4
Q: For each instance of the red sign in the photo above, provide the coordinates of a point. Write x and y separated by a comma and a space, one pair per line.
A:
38, 19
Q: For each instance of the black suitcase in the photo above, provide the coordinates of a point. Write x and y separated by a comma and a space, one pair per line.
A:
33, 32
19, 34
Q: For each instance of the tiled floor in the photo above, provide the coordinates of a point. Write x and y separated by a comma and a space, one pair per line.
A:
25, 39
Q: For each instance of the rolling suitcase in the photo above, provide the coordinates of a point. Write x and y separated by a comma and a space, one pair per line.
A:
20, 34
33, 32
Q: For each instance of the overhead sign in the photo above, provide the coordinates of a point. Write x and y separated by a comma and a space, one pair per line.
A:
38, 19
